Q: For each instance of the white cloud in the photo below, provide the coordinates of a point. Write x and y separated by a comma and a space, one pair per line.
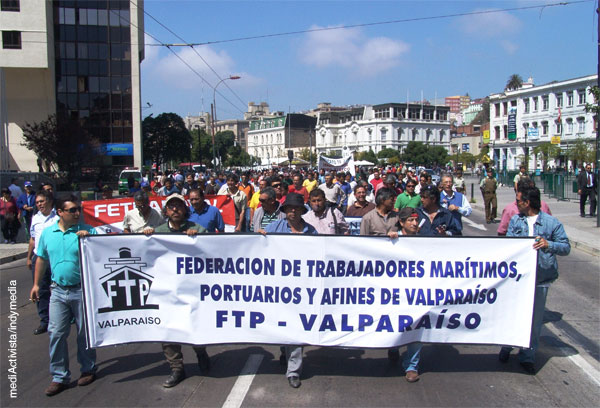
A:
150, 51
498, 24
351, 49
509, 46
172, 69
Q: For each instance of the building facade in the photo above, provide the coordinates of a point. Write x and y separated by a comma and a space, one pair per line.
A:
269, 139
377, 127
78, 60
553, 112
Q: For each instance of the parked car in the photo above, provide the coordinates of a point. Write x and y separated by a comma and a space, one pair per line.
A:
126, 174
434, 177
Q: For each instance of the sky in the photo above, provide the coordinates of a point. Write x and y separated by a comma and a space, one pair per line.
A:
434, 56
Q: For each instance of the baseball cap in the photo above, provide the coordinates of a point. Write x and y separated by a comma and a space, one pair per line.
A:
175, 196
28, 184
407, 212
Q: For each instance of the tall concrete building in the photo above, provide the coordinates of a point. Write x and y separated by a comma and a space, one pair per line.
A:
78, 60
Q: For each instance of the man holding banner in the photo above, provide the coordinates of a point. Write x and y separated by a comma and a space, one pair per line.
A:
551, 240
177, 213
294, 208
142, 219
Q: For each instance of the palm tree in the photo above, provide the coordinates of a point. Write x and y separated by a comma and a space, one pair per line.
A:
514, 82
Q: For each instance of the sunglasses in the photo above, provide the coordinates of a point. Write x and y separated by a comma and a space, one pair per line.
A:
276, 185
73, 210
174, 207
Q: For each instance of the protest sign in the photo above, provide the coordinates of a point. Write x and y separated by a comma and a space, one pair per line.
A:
107, 215
345, 164
297, 289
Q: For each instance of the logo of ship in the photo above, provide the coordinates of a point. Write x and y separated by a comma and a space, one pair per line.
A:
126, 286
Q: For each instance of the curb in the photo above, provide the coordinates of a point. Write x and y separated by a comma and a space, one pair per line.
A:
14, 257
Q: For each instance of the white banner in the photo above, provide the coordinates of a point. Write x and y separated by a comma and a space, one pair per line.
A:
298, 289
345, 164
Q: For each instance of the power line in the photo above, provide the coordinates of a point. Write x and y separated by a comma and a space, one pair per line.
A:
407, 20
196, 51
181, 59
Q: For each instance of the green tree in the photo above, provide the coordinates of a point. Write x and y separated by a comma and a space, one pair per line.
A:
580, 152
165, 137
437, 155
305, 154
467, 159
388, 153
368, 156
416, 153
515, 81
63, 144
223, 142
201, 146
548, 151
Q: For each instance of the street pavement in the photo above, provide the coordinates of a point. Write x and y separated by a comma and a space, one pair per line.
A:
251, 376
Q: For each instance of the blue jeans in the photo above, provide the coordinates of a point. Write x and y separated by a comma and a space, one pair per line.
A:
527, 355
65, 304
410, 362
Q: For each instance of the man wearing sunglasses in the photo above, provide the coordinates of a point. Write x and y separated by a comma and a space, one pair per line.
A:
269, 210
59, 247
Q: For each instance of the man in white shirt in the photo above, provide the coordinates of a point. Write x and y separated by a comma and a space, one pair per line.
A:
142, 219
45, 216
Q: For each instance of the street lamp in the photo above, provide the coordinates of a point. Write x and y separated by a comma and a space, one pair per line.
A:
214, 113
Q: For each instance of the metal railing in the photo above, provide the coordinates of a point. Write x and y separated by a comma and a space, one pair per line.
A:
559, 185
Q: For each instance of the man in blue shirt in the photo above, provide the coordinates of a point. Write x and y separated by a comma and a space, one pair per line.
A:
550, 240
453, 201
26, 203
293, 207
204, 214
434, 220
59, 246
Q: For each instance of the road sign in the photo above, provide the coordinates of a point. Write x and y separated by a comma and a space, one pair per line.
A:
533, 133
555, 140
486, 136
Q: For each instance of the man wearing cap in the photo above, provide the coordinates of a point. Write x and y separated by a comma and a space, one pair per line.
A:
45, 217
294, 208
142, 219
204, 214
177, 214
59, 246
408, 219
26, 204
488, 188
107, 193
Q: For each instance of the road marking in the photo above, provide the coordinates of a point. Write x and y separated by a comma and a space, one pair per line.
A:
474, 225
577, 359
242, 384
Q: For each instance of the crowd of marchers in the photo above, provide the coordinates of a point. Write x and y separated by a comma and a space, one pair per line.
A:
392, 202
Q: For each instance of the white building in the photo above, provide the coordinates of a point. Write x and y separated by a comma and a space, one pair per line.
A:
270, 138
554, 110
377, 127
78, 60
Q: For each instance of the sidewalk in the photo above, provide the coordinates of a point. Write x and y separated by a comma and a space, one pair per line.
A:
582, 232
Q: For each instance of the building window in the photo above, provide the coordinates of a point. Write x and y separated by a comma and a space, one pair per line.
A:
570, 98
497, 133
505, 129
505, 108
11, 40
526, 105
581, 94
559, 100
545, 128
382, 113
10, 5
569, 126
545, 103
558, 126
497, 109
535, 103
580, 125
